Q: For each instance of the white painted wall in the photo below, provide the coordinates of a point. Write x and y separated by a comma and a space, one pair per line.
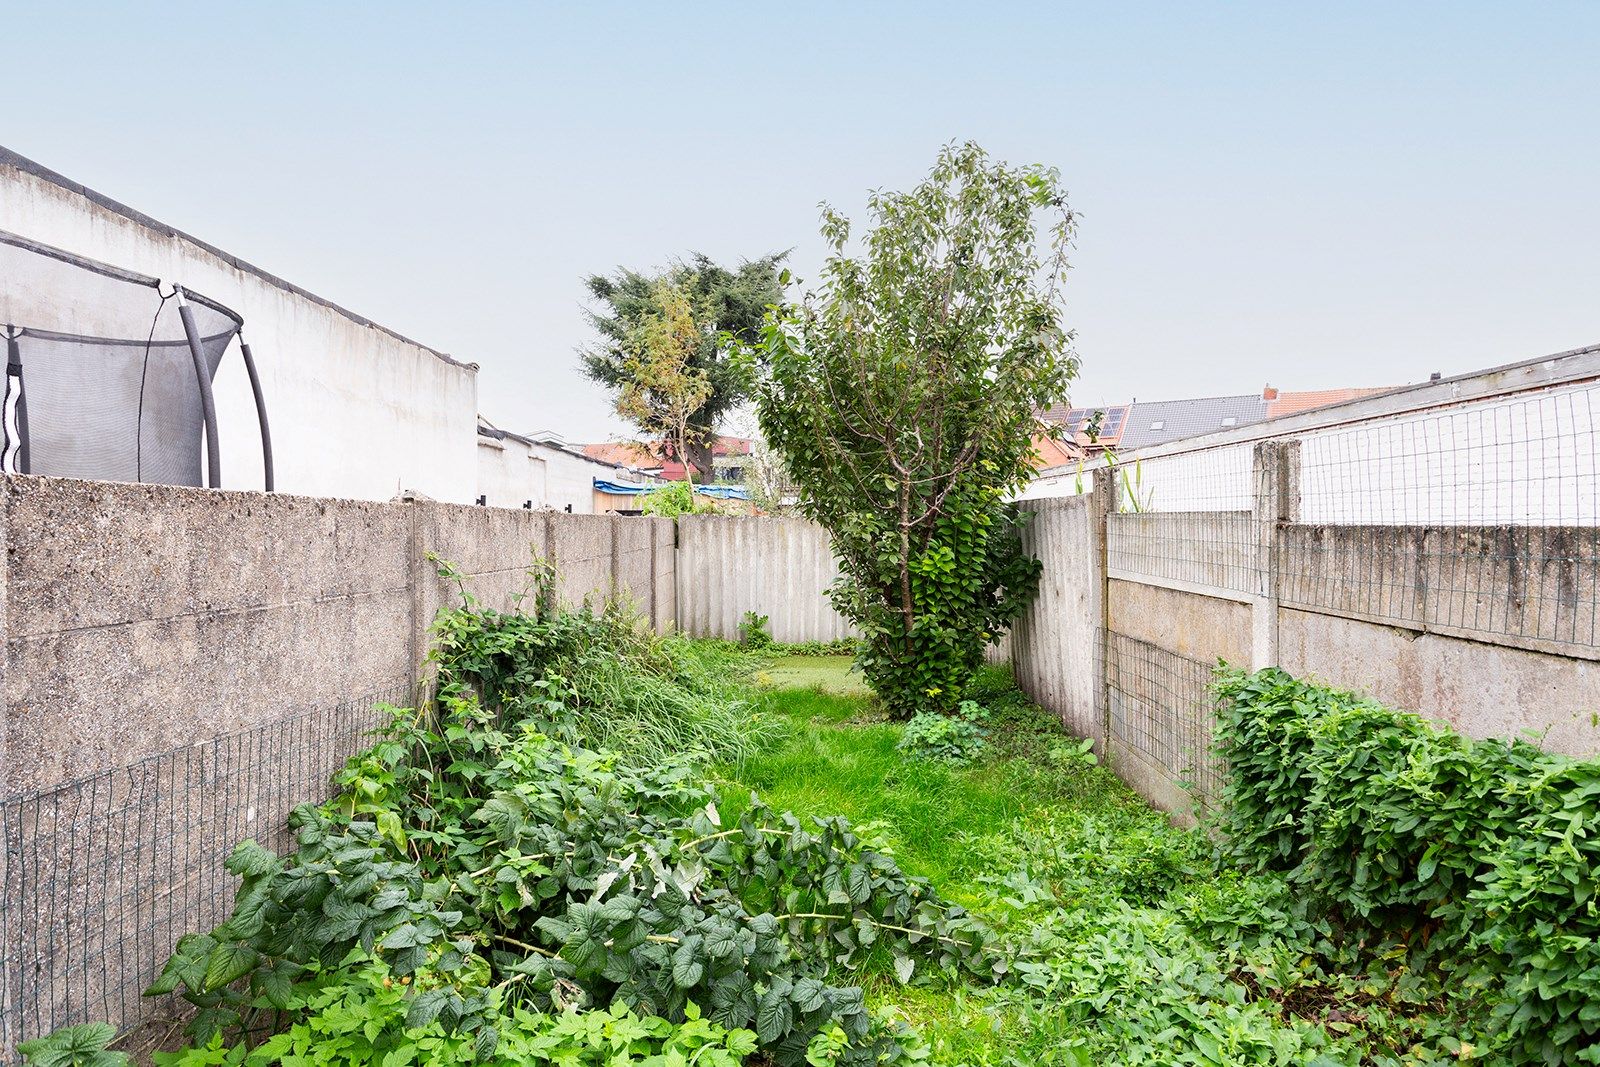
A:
513, 470
356, 411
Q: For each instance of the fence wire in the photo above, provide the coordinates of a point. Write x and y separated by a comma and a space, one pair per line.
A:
102, 875
1481, 521
1162, 709
1477, 521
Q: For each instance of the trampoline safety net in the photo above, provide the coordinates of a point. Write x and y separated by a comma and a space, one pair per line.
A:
108, 373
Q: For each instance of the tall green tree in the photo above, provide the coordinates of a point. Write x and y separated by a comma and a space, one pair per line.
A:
726, 303
662, 388
903, 395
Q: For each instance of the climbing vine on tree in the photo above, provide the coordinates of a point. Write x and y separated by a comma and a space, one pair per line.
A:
903, 394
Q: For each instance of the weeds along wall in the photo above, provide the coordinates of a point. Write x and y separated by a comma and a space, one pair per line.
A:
184, 666
1436, 547
143, 618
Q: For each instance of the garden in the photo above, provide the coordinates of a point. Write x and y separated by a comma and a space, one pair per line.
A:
601, 845
605, 846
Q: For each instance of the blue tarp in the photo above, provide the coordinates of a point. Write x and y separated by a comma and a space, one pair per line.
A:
720, 492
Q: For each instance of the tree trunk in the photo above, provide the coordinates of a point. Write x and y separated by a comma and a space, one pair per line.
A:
699, 457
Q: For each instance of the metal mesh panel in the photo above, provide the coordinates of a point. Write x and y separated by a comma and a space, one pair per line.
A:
101, 876
1482, 520
1186, 521
1162, 710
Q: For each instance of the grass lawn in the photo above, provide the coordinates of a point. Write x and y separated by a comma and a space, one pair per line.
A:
1129, 943
832, 674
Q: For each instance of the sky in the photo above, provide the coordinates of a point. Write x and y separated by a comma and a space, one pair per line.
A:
1307, 196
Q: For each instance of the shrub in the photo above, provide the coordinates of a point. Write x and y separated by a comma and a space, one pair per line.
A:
477, 873
1486, 852
955, 739
672, 499
600, 679
753, 632
903, 394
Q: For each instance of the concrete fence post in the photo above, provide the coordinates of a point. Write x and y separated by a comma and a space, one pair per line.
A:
1275, 466
1102, 502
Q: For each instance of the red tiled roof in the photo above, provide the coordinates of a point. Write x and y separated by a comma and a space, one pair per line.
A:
1048, 452
626, 453
1294, 403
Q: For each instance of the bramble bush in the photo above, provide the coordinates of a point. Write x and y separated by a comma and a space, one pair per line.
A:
481, 872
1482, 855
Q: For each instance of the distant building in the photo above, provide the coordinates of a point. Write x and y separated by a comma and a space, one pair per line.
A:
1145, 423
729, 457
540, 471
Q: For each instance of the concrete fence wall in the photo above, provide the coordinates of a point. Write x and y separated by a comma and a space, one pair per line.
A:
142, 618
777, 567
1490, 629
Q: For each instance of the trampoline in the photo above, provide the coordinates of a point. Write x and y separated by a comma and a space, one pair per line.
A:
109, 373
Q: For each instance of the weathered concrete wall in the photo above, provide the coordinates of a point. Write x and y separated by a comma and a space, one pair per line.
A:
1494, 630
1055, 646
1480, 688
778, 567
143, 618
1198, 627
356, 410
1184, 549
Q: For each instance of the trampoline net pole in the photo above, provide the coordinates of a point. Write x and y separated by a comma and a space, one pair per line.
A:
207, 403
14, 370
261, 412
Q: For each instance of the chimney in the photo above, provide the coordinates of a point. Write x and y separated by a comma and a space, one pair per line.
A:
1269, 393
1435, 376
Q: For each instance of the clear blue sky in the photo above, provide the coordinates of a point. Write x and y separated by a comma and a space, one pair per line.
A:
1307, 195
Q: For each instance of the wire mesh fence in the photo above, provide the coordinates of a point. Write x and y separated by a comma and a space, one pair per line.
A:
1482, 520
1477, 521
102, 875
1161, 709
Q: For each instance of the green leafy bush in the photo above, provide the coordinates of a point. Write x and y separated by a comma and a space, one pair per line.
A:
361, 1016
955, 739
672, 499
1485, 853
753, 632
601, 678
480, 870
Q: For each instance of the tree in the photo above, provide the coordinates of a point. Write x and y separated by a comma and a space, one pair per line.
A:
724, 303
904, 395
661, 388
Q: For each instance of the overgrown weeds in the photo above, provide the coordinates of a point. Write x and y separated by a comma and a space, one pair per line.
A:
1127, 941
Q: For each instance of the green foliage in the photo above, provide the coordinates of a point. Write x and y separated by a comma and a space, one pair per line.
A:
480, 870
1127, 943
75, 1046
1485, 852
672, 499
753, 632
361, 1016
725, 302
956, 739
598, 678
903, 397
